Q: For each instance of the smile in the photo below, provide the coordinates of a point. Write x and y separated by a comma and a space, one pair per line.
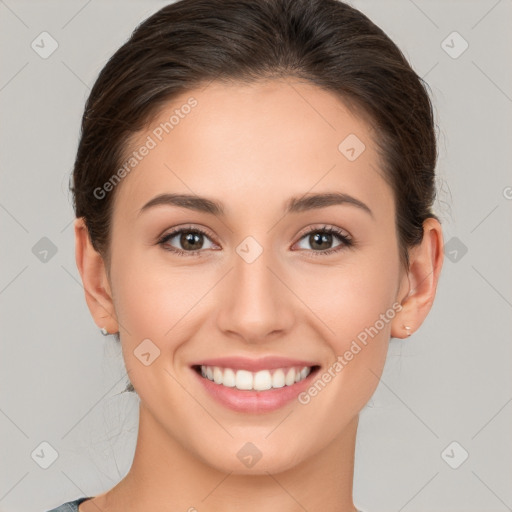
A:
251, 385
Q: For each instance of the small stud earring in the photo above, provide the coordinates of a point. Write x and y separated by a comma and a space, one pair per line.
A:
104, 331
408, 329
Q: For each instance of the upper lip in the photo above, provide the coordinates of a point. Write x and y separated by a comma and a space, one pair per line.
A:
254, 365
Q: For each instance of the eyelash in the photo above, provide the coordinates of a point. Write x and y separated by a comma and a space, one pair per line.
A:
345, 240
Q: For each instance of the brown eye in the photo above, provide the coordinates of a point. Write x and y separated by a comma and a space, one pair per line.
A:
320, 240
189, 241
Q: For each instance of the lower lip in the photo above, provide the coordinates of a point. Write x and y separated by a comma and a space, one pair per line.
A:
254, 401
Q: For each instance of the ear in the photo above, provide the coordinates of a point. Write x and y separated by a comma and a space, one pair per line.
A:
94, 278
419, 283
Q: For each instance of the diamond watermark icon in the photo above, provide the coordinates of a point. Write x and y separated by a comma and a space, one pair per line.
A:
44, 455
454, 45
44, 45
249, 249
146, 352
455, 250
351, 147
454, 455
249, 455
44, 250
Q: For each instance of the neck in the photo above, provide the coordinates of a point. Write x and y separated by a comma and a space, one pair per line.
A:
164, 476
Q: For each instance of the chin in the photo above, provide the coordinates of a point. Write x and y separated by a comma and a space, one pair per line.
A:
253, 458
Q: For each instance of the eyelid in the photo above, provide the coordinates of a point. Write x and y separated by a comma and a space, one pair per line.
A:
323, 227
187, 227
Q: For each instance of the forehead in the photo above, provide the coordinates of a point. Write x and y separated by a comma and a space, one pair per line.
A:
255, 144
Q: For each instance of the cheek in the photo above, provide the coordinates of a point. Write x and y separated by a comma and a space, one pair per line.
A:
356, 305
154, 294
153, 308
350, 298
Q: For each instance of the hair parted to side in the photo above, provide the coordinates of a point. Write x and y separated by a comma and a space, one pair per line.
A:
324, 42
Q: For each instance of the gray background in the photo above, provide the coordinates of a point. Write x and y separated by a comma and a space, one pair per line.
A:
451, 381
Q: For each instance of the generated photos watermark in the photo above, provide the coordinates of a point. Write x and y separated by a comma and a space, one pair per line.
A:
343, 360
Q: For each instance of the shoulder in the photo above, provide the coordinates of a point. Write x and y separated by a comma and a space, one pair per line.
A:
69, 506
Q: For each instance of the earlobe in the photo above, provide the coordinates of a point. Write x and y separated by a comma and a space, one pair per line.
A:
92, 270
426, 260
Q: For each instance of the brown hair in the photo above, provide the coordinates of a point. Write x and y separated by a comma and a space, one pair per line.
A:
325, 42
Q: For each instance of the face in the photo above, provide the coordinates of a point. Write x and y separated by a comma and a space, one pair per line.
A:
265, 285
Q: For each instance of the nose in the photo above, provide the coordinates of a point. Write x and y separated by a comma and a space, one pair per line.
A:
255, 303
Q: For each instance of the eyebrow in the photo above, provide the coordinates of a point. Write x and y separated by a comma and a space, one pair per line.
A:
293, 205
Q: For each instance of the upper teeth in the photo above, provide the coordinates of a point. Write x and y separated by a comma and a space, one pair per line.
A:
258, 381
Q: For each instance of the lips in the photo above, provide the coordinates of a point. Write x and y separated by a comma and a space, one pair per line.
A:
254, 385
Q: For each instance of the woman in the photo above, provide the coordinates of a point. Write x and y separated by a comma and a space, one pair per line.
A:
253, 191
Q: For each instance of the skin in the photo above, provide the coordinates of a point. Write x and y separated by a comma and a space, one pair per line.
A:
252, 147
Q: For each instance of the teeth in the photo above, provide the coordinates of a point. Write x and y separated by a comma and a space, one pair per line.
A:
217, 375
278, 379
257, 381
229, 378
290, 377
262, 380
244, 379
